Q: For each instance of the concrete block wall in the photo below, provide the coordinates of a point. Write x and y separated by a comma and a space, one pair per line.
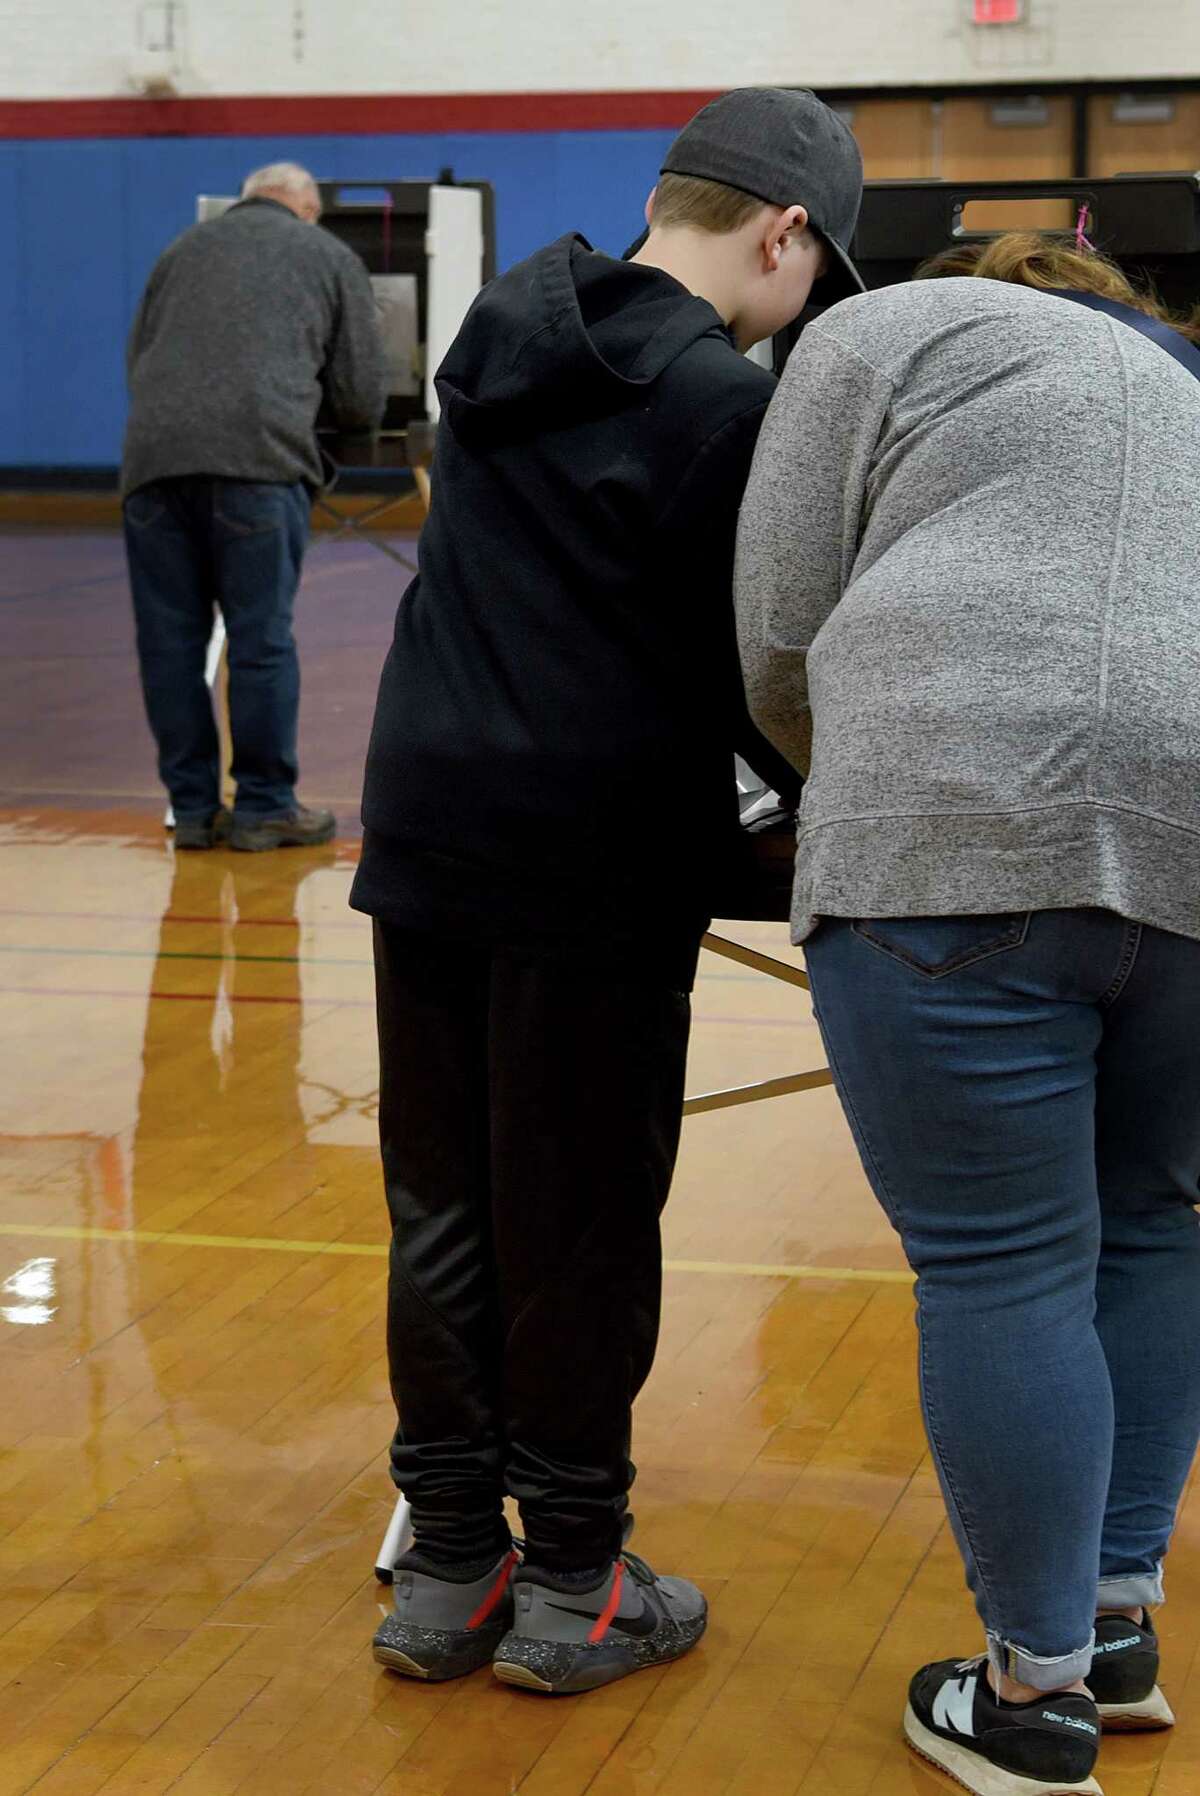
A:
72, 48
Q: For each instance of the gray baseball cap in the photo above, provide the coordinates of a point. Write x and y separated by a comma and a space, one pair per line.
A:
787, 148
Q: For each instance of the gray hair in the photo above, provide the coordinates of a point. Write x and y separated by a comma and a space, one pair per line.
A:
279, 177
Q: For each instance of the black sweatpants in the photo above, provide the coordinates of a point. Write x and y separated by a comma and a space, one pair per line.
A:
529, 1121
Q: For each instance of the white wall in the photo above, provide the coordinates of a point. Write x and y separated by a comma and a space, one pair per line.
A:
66, 48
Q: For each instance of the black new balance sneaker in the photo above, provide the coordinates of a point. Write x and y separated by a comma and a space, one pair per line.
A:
1124, 1676
1042, 1748
565, 1639
445, 1624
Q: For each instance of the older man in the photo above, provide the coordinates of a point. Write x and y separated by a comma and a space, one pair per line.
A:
247, 324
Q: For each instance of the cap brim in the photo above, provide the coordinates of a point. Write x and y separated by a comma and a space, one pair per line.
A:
841, 279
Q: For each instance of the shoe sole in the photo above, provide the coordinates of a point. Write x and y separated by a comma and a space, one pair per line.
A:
1145, 1717
435, 1665
244, 847
978, 1774
397, 1661
551, 1668
394, 1660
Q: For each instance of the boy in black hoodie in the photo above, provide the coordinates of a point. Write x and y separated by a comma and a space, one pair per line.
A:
550, 809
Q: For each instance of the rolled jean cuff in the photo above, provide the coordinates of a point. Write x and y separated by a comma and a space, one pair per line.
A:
1127, 1589
1040, 1674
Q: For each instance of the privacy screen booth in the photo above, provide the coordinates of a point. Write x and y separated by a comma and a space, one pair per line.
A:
1150, 224
428, 247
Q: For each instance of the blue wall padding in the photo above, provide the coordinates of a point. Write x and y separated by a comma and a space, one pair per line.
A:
82, 222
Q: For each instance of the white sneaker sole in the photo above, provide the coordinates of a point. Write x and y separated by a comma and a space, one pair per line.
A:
976, 1773
1137, 1717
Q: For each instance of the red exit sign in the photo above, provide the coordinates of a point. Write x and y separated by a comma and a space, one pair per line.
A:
998, 12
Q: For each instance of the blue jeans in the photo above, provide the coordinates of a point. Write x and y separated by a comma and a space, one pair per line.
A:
196, 543
1025, 1095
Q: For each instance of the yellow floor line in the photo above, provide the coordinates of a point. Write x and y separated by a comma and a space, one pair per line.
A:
749, 1270
377, 1251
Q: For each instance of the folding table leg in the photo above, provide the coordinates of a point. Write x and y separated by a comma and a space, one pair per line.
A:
396, 1541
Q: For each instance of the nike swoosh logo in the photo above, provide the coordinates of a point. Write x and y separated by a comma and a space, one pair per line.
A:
638, 1626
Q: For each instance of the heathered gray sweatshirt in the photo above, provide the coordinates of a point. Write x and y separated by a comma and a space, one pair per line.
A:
247, 322
971, 545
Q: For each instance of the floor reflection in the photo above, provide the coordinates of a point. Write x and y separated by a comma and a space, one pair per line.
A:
222, 1039
28, 1294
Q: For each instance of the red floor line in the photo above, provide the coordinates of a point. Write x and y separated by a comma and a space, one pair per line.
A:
243, 998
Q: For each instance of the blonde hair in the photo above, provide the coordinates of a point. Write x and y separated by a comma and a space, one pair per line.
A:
688, 201
1031, 259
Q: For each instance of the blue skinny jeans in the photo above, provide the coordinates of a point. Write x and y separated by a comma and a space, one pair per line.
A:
1025, 1095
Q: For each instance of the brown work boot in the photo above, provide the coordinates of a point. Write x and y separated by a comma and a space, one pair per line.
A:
298, 828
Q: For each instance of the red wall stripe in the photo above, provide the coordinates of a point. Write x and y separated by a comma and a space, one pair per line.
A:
364, 115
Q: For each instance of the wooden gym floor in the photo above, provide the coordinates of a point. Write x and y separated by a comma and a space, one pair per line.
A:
193, 1404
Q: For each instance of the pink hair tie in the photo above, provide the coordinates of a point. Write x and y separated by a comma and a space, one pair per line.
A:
1082, 241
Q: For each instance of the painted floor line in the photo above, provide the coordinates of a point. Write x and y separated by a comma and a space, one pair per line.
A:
152, 795
283, 960
238, 957
361, 924
318, 1004
378, 1251
91, 991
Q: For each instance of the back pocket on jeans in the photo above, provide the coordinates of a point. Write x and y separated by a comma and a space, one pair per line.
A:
936, 946
145, 507
251, 507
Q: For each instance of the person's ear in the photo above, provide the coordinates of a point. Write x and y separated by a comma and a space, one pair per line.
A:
653, 195
792, 218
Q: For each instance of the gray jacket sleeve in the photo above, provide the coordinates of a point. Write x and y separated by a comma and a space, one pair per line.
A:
800, 524
354, 376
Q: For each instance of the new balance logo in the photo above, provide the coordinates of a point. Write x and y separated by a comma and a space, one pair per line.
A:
954, 1706
1117, 1646
1081, 1727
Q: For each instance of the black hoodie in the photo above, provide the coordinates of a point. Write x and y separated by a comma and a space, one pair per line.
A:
552, 756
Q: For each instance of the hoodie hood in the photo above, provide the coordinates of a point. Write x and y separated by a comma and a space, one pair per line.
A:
570, 333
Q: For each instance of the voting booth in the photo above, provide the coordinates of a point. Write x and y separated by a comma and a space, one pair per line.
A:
428, 247
1148, 224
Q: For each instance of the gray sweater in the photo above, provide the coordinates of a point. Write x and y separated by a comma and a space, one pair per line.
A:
971, 545
247, 322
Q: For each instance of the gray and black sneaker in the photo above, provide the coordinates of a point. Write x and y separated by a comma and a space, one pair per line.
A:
300, 828
1043, 1748
566, 1639
444, 1625
1124, 1676
203, 832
